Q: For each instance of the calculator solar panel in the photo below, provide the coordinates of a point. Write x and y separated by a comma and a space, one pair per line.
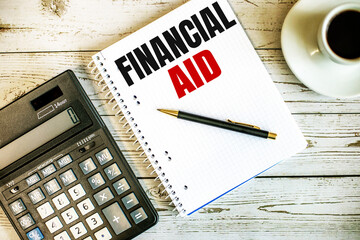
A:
62, 176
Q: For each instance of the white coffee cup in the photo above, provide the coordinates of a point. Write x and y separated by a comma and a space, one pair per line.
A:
322, 37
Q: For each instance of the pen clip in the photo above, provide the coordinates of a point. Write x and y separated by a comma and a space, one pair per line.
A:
244, 124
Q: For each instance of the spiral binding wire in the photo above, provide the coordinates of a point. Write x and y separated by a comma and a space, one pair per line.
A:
101, 77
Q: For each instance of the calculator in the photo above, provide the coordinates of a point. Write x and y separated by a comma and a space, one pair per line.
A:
62, 175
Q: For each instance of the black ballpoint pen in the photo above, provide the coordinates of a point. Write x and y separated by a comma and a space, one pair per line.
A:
230, 125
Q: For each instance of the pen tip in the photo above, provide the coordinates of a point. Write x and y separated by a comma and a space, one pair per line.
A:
169, 112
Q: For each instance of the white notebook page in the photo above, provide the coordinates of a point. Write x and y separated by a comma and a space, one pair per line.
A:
206, 162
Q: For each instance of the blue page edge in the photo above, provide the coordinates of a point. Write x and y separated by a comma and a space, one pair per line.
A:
232, 189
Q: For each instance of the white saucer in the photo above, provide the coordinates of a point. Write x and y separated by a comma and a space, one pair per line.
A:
299, 46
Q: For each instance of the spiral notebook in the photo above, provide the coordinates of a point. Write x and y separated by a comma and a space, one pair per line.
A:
198, 59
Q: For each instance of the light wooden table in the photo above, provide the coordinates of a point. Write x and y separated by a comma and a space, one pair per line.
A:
313, 195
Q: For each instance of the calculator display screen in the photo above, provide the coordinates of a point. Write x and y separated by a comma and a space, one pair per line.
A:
38, 136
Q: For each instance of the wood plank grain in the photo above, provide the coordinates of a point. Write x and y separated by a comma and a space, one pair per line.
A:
272, 208
66, 25
21, 72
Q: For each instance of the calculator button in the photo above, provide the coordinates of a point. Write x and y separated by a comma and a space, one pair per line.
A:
36, 196
138, 215
130, 200
87, 166
48, 170
112, 171
26, 221
62, 236
68, 177
78, 230
17, 207
103, 234
33, 179
96, 181
35, 234
54, 224
103, 196
69, 215
61, 201
64, 161
77, 192
94, 221
121, 186
104, 156
116, 217
52, 186
85, 206
45, 210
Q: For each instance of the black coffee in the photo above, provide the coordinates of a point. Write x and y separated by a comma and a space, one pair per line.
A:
343, 34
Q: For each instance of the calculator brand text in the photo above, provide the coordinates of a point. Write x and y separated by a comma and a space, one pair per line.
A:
85, 140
